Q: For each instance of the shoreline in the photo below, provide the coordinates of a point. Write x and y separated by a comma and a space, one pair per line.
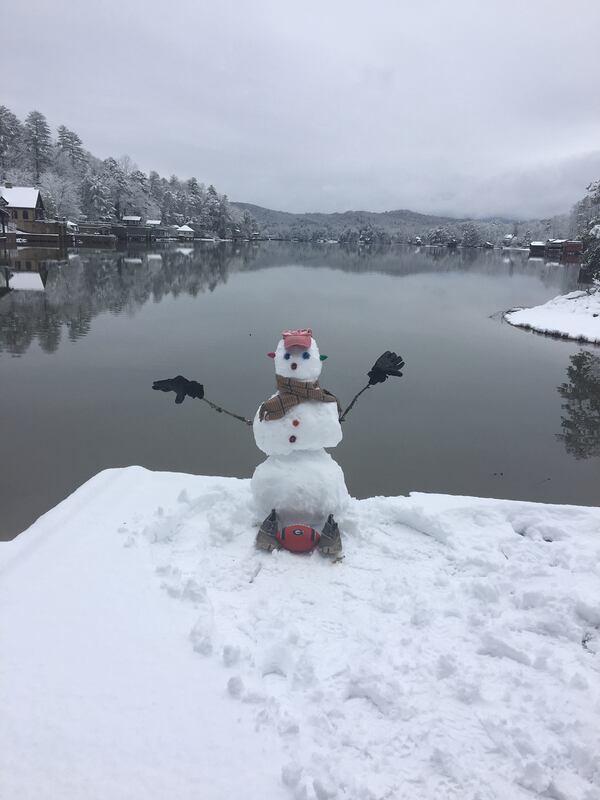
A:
574, 316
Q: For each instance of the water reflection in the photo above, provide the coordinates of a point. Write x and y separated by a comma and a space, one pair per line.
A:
581, 395
78, 286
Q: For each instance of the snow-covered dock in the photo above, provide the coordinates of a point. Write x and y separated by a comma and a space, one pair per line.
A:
571, 316
147, 650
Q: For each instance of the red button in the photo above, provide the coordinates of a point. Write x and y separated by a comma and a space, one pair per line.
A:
292, 439
295, 423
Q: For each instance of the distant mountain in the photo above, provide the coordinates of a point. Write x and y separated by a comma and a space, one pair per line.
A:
388, 220
400, 225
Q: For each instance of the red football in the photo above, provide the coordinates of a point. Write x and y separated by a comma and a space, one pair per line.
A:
298, 538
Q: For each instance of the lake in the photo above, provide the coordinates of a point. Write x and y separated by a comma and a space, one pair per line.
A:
478, 411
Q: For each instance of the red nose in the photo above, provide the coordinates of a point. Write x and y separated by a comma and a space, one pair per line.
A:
294, 365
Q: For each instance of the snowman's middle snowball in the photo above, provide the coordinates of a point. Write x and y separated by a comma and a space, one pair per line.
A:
303, 487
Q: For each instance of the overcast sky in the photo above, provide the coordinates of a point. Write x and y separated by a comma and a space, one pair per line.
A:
470, 107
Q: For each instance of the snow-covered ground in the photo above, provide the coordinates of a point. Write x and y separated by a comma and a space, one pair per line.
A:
147, 651
572, 316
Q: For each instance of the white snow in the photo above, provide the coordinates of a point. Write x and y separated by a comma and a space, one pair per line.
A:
185, 229
20, 196
573, 316
303, 487
148, 651
312, 424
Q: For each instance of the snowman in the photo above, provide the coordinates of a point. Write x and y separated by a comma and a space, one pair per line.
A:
299, 488
299, 481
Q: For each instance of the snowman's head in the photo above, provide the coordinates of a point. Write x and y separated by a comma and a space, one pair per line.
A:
297, 356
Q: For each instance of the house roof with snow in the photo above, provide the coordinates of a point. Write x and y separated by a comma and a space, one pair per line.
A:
26, 281
20, 196
131, 219
152, 222
186, 228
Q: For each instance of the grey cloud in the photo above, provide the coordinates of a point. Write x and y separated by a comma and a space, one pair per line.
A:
465, 107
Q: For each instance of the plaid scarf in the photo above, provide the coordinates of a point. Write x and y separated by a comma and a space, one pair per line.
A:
290, 393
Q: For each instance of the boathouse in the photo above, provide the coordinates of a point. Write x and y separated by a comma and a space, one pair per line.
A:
185, 232
537, 249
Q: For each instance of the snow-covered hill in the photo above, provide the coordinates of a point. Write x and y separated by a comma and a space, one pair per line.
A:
148, 651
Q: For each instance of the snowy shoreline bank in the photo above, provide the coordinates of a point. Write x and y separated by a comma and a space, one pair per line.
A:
149, 651
571, 316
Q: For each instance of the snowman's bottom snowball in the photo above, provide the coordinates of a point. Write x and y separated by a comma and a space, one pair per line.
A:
302, 487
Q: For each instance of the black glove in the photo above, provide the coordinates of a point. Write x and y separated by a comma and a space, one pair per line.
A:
387, 364
181, 386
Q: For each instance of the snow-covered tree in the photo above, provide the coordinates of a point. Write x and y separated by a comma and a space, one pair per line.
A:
118, 186
167, 207
585, 221
38, 143
19, 176
470, 235
11, 141
72, 146
61, 196
95, 196
138, 193
349, 236
155, 187
438, 236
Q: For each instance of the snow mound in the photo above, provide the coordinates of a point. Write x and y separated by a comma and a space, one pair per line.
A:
148, 651
570, 316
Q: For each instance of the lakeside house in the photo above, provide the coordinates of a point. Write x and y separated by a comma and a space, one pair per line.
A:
558, 249
24, 203
537, 249
131, 220
185, 233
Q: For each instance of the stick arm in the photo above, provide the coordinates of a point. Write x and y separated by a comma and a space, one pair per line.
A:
344, 414
222, 410
184, 388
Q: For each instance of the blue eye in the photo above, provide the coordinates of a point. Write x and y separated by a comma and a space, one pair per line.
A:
305, 355
287, 356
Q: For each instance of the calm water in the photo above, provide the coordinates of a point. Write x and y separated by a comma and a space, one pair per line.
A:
477, 412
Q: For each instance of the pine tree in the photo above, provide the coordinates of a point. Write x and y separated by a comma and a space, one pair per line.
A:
118, 188
581, 406
470, 237
166, 207
70, 144
155, 187
11, 138
95, 197
38, 143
